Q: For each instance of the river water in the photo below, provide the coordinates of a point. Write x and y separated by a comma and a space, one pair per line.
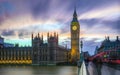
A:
56, 70
38, 70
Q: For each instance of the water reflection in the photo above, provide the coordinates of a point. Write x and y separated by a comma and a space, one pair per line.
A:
38, 70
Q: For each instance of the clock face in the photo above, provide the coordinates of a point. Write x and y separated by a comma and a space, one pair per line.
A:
74, 27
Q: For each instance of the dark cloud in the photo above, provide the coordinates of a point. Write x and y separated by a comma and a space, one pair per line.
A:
46, 8
83, 6
40, 8
22, 34
112, 24
8, 33
89, 22
115, 25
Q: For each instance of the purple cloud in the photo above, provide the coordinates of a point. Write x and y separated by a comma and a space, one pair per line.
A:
8, 33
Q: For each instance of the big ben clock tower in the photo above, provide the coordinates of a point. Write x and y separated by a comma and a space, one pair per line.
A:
75, 30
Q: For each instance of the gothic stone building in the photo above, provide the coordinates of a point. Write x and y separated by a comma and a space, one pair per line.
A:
15, 55
75, 31
48, 53
111, 49
39, 54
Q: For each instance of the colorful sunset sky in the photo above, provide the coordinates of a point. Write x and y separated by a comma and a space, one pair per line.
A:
97, 18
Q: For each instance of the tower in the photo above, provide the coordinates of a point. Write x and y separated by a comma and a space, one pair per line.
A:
52, 46
37, 41
75, 30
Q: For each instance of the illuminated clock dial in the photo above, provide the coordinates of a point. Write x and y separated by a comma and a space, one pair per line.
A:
74, 27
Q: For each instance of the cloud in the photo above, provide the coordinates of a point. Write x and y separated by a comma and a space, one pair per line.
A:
102, 26
40, 8
104, 21
89, 22
8, 33
22, 34
103, 12
114, 25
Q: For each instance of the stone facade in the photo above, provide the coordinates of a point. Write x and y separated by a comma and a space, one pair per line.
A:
39, 53
1, 42
49, 53
75, 31
111, 49
108, 45
15, 55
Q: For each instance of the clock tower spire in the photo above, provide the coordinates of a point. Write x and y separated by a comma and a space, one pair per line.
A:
75, 16
75, 30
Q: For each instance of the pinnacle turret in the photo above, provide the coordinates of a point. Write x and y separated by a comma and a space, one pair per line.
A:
75, 16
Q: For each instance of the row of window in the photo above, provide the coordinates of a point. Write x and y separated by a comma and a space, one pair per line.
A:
15, 53
15, 58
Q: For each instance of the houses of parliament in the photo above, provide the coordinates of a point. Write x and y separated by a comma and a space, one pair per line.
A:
41, 53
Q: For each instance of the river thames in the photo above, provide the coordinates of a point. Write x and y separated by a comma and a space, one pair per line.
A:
56, 70
38, 70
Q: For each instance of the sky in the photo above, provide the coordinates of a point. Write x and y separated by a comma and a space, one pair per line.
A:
97, 18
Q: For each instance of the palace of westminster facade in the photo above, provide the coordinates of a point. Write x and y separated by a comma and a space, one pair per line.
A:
41, 53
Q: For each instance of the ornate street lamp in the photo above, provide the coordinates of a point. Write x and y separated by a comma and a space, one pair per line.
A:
81, 53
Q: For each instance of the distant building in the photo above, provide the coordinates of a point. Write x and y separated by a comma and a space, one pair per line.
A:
96, 50
8, 45
109, 51
107, 45
1, 42
4, 44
